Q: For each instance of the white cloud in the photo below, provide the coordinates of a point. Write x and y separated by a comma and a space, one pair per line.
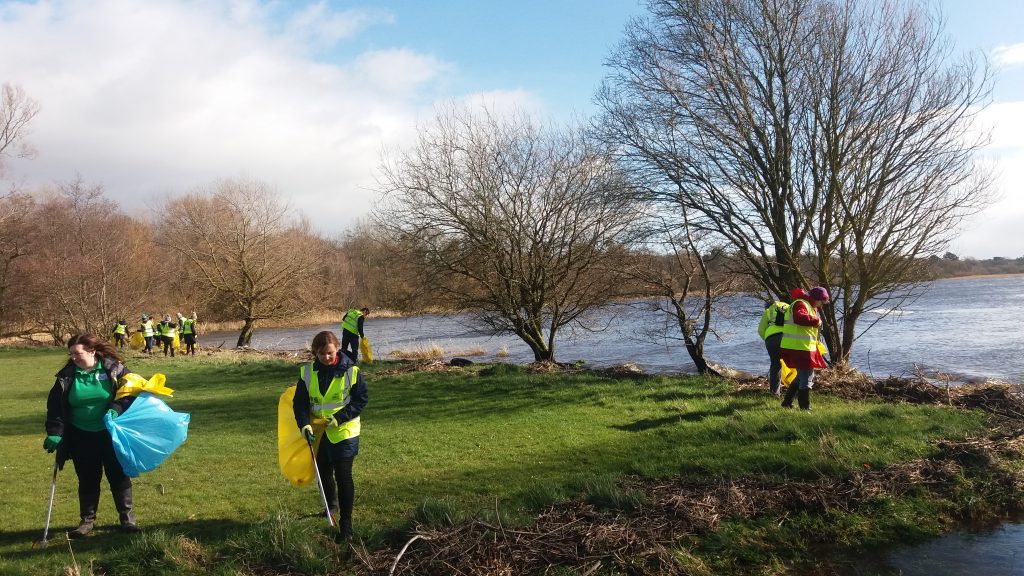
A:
996, 231
156, 98
1006, 56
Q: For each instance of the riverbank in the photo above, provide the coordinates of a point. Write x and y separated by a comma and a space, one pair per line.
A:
503, 469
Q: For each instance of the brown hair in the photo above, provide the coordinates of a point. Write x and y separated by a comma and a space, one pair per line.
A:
323, 339
94, 343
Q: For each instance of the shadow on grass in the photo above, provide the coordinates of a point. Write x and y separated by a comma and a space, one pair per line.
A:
675, 418
106, 537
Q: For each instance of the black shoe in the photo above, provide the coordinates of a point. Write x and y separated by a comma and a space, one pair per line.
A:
84, 529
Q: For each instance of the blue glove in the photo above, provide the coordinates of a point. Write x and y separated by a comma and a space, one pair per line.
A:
307, 431
112, 413
50, 443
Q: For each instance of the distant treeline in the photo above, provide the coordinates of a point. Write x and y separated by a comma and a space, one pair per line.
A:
950, 266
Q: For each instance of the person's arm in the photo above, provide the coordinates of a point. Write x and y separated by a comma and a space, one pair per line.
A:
360, 326
300, 404
54, 412
358, 398
803, 317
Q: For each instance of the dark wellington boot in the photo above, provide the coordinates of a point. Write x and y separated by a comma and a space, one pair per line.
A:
787, 402
804, 399
87, 509
123, 501
344, 530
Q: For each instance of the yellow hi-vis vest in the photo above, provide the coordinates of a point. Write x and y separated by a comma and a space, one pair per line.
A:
147, 328
337, 397
187, 326
797, 337
351, 321
769, 325
120, 328
167, 329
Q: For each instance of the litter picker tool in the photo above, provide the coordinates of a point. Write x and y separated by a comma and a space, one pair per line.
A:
320, 485
49, 509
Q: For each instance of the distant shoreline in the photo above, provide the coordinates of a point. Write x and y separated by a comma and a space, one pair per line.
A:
976, 276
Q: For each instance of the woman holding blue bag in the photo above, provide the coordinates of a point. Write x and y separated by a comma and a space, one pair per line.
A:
83, 393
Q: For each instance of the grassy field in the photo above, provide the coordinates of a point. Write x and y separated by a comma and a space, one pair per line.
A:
462, 443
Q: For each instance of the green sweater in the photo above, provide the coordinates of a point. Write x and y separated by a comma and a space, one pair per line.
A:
89, 397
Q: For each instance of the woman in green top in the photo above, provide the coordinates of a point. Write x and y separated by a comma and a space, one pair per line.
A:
84, 392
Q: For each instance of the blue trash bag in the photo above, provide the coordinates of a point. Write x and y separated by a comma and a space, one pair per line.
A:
146, 434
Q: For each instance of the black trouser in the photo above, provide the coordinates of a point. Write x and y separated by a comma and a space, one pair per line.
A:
93, 454
350, 340
168, 344
772, 344
339, 489
119, 340
190, 344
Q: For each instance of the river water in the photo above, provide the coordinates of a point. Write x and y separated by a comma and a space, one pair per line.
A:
968, 329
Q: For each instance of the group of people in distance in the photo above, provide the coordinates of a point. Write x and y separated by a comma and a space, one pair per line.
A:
791, 334
163, 332
330, 389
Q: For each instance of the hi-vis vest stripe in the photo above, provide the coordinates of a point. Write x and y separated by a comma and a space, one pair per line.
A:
337, 397
797, 337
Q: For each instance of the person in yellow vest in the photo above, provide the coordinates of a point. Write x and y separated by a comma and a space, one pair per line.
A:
352, 331
770, 330
188, 331
167, 329
120, 334
148, 332
799, 346
331, 388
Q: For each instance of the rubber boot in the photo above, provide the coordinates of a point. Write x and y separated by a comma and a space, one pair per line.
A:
344, 529
804, 399
123, 501
87, 508
787, 402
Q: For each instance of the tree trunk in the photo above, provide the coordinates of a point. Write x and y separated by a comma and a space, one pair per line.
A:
246, 336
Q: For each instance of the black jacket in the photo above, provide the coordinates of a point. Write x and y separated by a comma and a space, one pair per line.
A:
358, 396
58, 411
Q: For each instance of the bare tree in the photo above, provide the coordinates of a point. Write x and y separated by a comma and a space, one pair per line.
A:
17, 233
244, 243
16, 112
671, 264
87, 262
825, 141
519, 224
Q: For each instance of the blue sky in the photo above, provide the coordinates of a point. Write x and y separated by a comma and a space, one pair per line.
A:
158, 98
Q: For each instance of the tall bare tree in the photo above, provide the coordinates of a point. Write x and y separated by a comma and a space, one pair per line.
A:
17, 234
17, 110
519, 223
243, 242
825, 141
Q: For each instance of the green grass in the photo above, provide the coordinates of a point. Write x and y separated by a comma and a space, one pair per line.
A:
435, 448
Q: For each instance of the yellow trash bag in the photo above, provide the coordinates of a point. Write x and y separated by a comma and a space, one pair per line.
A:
788, 374
365, 351
822, 349
137, 341
293, 455
133, 384
177, 342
